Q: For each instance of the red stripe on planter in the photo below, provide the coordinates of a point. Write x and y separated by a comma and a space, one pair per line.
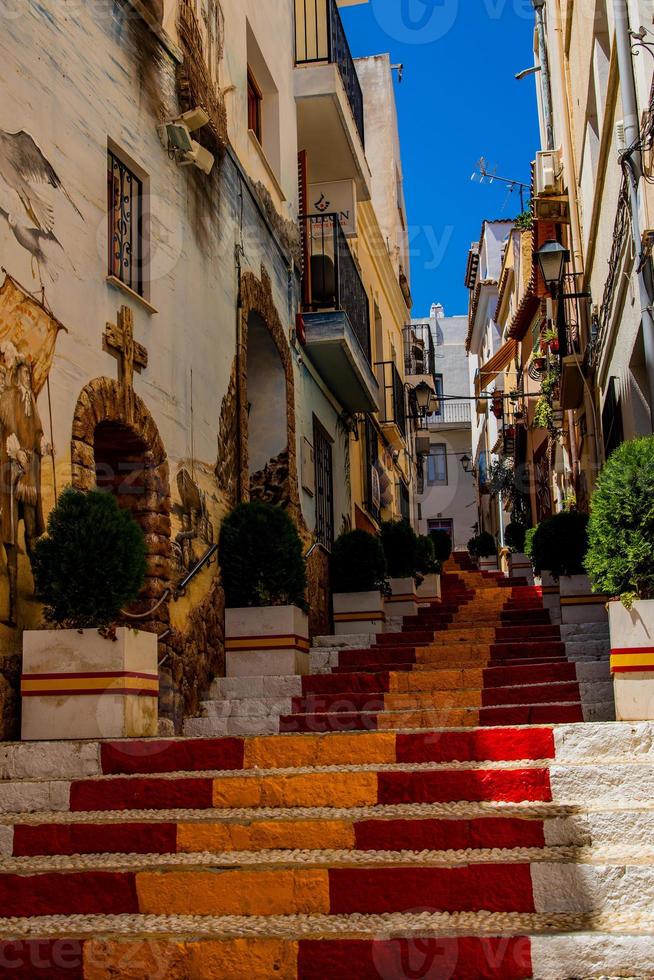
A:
51, 959
69, 893
112, 838
475, 785
509, 745
161, 755
433, 958
476, 887
441, 835
141, 794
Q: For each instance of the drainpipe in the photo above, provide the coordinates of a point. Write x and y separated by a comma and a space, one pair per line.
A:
546, 88
633, 162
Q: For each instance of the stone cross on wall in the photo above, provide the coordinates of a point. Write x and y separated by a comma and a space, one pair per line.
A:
131, 356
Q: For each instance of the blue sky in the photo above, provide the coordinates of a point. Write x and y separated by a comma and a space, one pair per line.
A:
458, 101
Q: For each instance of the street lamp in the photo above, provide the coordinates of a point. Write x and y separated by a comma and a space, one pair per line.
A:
552, 258
466, 463
424, 395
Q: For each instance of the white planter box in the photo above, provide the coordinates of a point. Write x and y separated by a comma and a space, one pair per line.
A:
269, 641
429, 590
358, 612
403, 600
488, 564
520, 567
632, 660
551, 596
76, 684
578, 602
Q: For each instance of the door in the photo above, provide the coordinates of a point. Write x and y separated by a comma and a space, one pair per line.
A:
322, 450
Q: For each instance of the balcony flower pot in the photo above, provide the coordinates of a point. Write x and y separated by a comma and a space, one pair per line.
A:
520, 567
266, 641
540, 363
632, 659
358, 612
429, 590
403, 600
579, 604
84, 684
554, 346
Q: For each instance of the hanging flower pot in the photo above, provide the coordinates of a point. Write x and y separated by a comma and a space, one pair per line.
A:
540, 363
510, 432
554, 345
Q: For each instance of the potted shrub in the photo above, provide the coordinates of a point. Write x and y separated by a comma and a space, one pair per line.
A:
486, 550
515, 535
84, 678
442, 546
264, 577
429, 571
400, 543
620, 561
559, 547
358, 573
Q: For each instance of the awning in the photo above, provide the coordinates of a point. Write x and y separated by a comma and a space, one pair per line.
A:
498, 362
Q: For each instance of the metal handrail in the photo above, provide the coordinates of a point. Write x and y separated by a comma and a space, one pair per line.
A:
180, 589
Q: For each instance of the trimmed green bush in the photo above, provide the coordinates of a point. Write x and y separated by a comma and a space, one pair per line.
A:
514, 535
442, 545
91, 562
400, 544
260, 555
560, 544
358, 563
529, 541
427, 562
620, 559
482, 545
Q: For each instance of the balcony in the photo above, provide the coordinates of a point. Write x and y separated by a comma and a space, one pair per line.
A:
419, 353
452, 415
392, 404
574, 336
337, 314
329, 97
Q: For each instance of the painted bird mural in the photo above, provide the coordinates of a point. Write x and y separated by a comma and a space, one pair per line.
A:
25, 173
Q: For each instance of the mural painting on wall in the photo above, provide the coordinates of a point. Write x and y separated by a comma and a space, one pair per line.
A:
26, 204
28, 334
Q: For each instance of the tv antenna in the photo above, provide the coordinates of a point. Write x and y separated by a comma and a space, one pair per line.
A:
484, 175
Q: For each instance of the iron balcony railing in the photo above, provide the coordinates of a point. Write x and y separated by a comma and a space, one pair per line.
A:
451, 413
331, 276
575, 330
320, 37
419, 349
392, 394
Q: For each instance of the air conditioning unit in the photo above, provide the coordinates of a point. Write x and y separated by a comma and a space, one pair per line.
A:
554, 209
548, 173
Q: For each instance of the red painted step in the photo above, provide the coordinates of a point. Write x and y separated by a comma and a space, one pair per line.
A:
42, 959
84, 838
69, 893
477, 745
539, 714
530, 673
475, 887
141, 794
531, 694
167, 755
473, 785
323, 723
435, 958
443, 835
355, 682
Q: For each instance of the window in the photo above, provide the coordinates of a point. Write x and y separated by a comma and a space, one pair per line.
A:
438, 384
322, 451
437, 465
125, 224
441, 524
255, 102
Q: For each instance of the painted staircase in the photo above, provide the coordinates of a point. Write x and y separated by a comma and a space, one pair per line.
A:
486, 833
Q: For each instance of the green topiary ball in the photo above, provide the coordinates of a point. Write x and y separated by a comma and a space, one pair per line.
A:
560, 544
261, 560
620, 559
514, 535
400, 544
91, 562
427, 561
442, 545
486, 545
358, 563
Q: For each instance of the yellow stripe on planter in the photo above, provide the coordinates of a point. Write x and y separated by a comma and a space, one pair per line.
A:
584, 600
